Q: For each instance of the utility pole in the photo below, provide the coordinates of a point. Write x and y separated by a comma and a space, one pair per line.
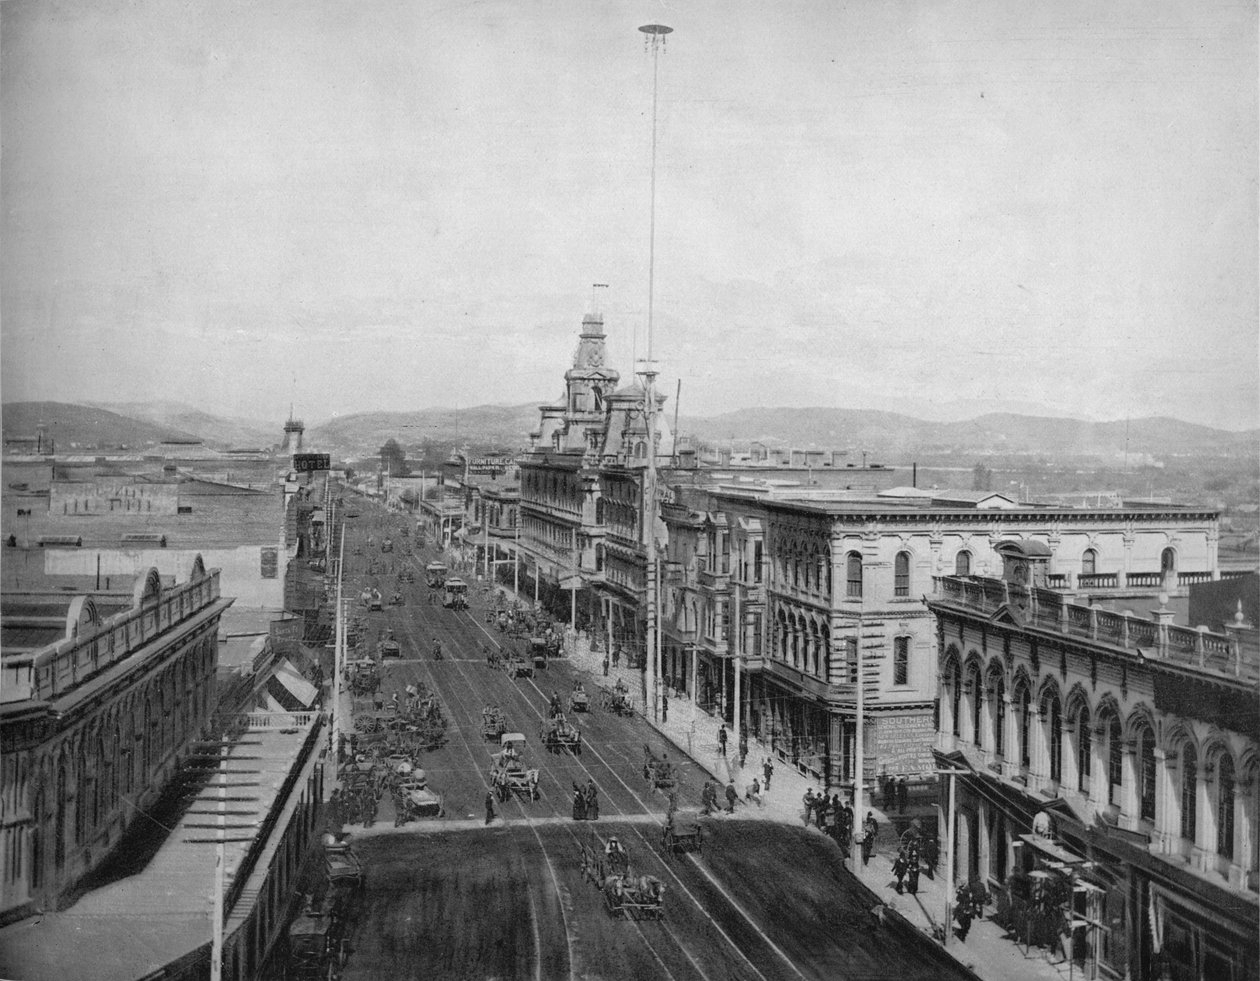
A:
736, 641
949, 855
654, 37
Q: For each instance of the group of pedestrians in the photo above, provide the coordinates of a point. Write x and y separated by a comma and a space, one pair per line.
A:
895, 791
831, 816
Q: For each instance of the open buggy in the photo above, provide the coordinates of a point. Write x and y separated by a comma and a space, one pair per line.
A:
413, 799
682, 833
558, 733
508, 775
659, 771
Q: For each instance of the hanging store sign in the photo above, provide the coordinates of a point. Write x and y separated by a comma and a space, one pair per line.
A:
310, 462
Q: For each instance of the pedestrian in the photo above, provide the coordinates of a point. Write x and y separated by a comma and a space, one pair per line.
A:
886, 791
963, 912
808, 800
754, 792
768, 769
732, 795
899, 868
743, 748
722, 740
912, 872
664, 707
829, 818
579, 803
616, 655
592, 801
489, 806
903, 795
708, 798
605, 665
870, 828
931, 855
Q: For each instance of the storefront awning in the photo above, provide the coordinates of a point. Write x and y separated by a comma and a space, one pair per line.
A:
290, 689
1052, 850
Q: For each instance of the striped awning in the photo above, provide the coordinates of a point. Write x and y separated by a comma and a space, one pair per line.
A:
290, 689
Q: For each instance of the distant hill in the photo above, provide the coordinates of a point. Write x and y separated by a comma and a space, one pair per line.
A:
223, 431
889, 435
363, 433
83, 426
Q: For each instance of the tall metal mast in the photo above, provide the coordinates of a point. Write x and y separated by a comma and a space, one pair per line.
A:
654, 38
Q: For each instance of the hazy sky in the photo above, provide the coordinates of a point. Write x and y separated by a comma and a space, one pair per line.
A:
362, 205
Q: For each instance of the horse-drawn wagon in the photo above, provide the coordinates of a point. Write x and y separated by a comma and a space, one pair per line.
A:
414, 799
558, 733
682, 833
363, 677
634, 896
493, 722
517, 667
659, 771
508, 775
616, 699
579, 701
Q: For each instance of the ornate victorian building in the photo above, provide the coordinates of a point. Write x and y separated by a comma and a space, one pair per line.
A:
581, 489
1108, 771
101, 696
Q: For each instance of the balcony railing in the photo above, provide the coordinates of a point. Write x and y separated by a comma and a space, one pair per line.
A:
1098, 580
1217, 654
714, 579
1191, 578
1133, 579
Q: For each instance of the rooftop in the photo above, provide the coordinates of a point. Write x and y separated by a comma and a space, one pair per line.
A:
140, 923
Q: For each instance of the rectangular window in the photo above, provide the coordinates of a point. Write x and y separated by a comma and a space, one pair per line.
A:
901, 660
757, 561
269, 562
851, 658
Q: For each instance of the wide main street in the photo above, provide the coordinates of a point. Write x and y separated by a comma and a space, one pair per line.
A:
451, 897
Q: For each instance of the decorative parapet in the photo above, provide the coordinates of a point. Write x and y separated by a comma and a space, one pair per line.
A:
91, 645
1235, 655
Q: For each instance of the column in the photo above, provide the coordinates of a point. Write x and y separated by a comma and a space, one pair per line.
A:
986, 739
945, 739
1069, 768
1010, 739
835, 750
1167, 806
1038, 752
1100, 765
1244, 832
1130, 806
1203, 854
982, 832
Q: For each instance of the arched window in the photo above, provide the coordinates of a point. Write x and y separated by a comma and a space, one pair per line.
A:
962, 563
999, 715
1225, 806
1167, 561
1084, 749
901, 574
1089, 562
1146, 772
1115, 758
1024, 701
956, 697
901, 660
977, 703
1052, 719
1189, 791
853, 575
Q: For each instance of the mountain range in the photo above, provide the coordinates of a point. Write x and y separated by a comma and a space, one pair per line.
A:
883, 436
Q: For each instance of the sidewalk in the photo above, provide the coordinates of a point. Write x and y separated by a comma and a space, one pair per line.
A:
986, 951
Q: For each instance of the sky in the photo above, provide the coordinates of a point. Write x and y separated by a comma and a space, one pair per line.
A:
939, 208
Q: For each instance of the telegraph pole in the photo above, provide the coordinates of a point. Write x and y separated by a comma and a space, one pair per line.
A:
654, 38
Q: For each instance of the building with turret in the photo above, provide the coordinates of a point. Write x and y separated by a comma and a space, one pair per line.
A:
581, 489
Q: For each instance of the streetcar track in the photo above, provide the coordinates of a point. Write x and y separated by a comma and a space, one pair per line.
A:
427, 664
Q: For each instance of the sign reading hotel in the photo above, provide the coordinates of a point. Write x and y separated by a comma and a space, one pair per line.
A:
310, 462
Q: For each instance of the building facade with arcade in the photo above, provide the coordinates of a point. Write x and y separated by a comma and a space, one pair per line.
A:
102, 695
1107, 767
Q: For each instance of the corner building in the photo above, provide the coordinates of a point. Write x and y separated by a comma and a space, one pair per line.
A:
1108, 773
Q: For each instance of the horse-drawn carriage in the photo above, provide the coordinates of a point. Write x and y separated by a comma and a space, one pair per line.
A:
508, 775
539, 651
517, 667
406, 575
493, 722
659, 771
682, 833
625, 894
579, 701
435, 575
634, 896
317, 949
388, 648
362, 677
396, 599
558, 733
617, 699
